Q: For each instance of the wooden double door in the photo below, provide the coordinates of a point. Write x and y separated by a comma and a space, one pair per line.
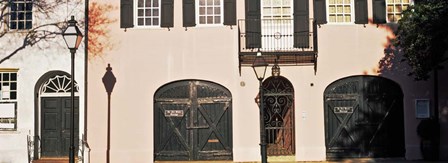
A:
193, 121
56, 125
364, 118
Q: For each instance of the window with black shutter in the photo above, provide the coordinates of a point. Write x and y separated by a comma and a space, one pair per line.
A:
301, 24
209, 12
320, 11
361, 12
149, 13
379, 11
253, 24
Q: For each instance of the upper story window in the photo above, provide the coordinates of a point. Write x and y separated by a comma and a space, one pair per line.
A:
340, 11
21, 16
210, 12
148, 13
276, 9
395, 9
8, 99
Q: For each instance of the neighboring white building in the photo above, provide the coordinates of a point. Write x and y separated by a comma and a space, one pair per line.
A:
35, 82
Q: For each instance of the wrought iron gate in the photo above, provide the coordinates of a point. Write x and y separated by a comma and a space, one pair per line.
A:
193, 121
279, 115
364, 118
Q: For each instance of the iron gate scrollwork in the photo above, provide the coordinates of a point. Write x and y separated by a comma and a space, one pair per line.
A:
279, 115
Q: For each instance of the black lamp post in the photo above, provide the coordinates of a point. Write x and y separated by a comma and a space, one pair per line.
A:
259, 67
109, 81
72, 37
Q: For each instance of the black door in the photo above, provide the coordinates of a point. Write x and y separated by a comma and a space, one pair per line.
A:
56, 124
364, 118
193, 121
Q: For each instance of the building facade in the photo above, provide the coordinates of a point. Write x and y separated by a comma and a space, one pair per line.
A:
35, 81
185, 89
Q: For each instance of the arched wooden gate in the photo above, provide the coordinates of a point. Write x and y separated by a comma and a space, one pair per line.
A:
192, 121
364, 118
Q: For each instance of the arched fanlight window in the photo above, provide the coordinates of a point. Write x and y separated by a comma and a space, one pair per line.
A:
58, 84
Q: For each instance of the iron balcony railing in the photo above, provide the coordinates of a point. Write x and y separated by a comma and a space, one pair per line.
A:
284, 41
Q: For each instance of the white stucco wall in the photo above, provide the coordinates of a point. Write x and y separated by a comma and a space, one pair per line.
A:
33, 62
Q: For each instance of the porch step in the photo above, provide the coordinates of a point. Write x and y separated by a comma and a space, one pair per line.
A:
53, 160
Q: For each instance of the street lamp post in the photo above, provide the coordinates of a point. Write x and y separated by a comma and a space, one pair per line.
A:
259, 65
72, 37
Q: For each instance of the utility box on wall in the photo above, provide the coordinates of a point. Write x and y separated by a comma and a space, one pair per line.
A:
422, 108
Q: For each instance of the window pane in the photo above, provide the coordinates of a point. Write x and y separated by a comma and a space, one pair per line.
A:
28, 25
202, 19
21, 7
209, 19
286, 2
398, 8
390, 8
267, 11
148, 12
339, 1
405, 7
140, 3
217, 19
13, 7
397, 1
209, 10
405, 1
13, 77
347, 2
6, 76
140, 21
148, 21
340, 18
202, 10
276, 2
209, 2
390, 17
332, 1
332, 18
347, 9
29, 7
348, 18
155, 3
339, 9
13, 86
217, 10
332, 9
155, 21
14, 16
202, 2
13, 95
390, 1
217, 2
13, 25
21, 16
155, 12
140, 12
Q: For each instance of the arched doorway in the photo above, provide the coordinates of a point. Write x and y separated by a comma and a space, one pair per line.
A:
193, 121
364, 118
53, 115
278, 99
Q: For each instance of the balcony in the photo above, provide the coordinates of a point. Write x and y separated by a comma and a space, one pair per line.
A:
279, 40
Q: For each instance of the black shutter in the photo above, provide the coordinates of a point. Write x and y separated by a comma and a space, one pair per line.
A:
361, 12
320, 11
167, 13
379, 11
301, 24
126, 13
189, 17
229, 12
253, 24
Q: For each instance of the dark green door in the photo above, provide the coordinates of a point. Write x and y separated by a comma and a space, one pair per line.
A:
56, 124
193, 121
364, 118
